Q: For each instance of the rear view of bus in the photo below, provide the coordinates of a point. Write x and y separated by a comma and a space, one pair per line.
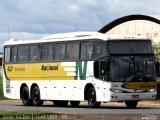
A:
130, 68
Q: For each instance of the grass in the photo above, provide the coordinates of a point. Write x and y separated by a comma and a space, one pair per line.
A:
1, 90
157, 101
27, 115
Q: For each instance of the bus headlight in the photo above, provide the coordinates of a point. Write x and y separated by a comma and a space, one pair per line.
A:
151, 90
116, 90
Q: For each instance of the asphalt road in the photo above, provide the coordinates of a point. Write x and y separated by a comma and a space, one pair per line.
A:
105, 109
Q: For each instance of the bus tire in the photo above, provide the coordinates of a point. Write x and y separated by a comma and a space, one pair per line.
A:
75, 103
59, 103
131, 104
91, 98
25, 96
36, 99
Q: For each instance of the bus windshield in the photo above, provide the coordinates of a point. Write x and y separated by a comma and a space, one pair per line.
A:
132, 68
129, 47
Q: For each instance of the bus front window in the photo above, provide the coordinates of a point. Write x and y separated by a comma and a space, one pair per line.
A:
132, 68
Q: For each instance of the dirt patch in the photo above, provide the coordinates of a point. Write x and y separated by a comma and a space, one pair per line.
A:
149, 103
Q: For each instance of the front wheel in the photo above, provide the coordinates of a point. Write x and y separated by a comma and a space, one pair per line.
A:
91, 98
36, 100
131, 104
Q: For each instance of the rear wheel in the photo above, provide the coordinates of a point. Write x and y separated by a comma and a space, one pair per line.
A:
25, 96
74, 103
91, 98
36, 100
131, 104
59, 103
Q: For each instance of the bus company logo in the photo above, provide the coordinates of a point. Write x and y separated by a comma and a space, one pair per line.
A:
49, 67
148, 86
81, 70
139, 85
10, 68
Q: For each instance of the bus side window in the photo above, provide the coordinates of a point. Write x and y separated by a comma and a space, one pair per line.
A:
23, 53
34, 53
47, 52
7, 54
101, 70
86, 50
99, 49
72, 51
13, 54
59, 53
104, 70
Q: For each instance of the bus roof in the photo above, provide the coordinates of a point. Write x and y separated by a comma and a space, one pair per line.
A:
69, 36
126, 36
73, 35
60, 37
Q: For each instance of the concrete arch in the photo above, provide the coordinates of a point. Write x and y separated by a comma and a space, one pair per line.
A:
121, 20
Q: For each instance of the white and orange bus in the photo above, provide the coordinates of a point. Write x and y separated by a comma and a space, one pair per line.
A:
74, 67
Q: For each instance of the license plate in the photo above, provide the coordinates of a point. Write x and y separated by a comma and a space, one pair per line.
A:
135, 96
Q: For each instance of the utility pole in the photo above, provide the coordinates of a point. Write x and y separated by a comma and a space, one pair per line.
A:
8, 33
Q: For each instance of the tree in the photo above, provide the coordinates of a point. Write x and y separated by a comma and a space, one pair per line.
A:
156, 50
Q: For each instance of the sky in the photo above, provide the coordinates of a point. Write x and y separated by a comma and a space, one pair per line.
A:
35, 19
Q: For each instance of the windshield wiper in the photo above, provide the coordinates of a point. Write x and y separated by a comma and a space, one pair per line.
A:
130, 78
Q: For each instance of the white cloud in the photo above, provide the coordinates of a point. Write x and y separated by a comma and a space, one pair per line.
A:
74, 8
92, 2
26, 35
4, 36
29, 19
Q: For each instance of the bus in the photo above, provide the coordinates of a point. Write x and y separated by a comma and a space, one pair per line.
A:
79, 66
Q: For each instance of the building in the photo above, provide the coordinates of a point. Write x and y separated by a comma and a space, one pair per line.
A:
141, 28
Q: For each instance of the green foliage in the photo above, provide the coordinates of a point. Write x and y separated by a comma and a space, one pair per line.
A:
156, 50
1, 90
